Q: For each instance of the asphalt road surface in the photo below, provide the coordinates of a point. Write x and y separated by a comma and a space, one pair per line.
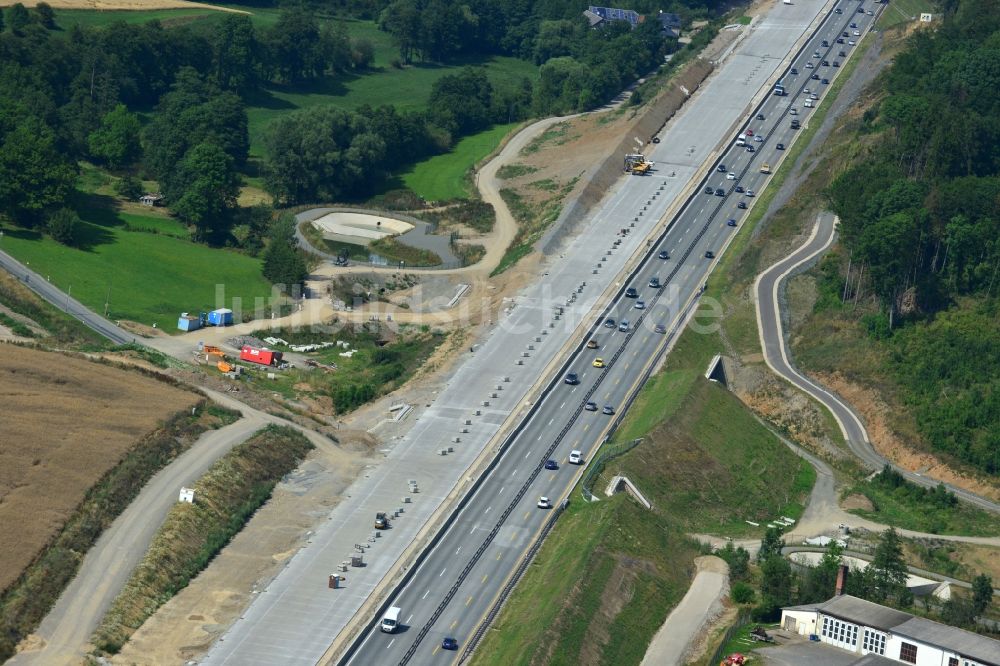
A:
456, 584
777, 355
62, 301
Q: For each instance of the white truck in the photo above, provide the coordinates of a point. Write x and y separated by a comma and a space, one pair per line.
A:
390, 621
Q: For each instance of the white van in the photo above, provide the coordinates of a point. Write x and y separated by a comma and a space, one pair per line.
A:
390, 621
808, 104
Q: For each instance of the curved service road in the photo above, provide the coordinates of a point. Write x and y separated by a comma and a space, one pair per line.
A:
777, 355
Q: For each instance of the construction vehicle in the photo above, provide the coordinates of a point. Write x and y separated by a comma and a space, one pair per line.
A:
642, 169
211, 350
759, 634
260, 356
636, 164
224, 367
381, 521
765, 168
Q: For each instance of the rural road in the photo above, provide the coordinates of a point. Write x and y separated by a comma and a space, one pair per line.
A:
109, 563
62, 301
767, 294
67, 628
692, 614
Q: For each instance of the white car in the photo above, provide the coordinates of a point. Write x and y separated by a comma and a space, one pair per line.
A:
857, 34
730, 176
544, 503
749, 193
759, 139
851, 42
809, 65
575, 457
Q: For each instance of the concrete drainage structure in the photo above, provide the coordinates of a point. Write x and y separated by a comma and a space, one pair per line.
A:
621, 483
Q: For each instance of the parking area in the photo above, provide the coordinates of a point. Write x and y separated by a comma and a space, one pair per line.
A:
793, 650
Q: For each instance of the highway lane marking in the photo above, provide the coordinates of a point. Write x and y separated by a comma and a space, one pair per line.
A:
562, 405
586, 427
453, 624
469, 600
409, 618
626, 366
540, 437
390, 644
617, 382
607, 395
501, 491
500, 554
550, 422
442, 572
485, 576
474, 528
527, 454
436, 648
458, 549
487, 509
425, 594
526, 514
513, 536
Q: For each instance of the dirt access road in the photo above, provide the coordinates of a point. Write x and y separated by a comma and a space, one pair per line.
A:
122, 5
62, 637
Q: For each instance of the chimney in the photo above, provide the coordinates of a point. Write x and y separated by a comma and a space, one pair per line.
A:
841, 579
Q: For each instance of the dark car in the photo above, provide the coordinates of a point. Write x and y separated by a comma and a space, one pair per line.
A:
840, 40
861, 10
739, 188
838, 10
814, 77
572, 378
610, 323
721, 168
551, 464
719, 192
709, 190
780, 146
794, 71
654, 282
826, 63
750, 149
760, 116
825, 81
631, 292
854, 25
826, 43
449, 643
660, 328
663, 254
742, 205
709, 254
591, 406
731, 222
608, 409
845, 34
836, 63
843, 54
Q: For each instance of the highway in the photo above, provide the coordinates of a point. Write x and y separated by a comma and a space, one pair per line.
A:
62, 301
778, 357
457, 582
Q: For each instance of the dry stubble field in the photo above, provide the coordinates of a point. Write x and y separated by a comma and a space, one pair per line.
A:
66, 421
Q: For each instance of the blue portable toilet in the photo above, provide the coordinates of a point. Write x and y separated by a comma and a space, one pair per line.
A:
188, 322
221, 317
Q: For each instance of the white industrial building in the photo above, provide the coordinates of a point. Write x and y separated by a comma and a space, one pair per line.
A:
867, 628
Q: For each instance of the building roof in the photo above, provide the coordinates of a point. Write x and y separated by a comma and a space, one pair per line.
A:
859, 611
668, 20
592, 18
845, 607
616, 14
980, 648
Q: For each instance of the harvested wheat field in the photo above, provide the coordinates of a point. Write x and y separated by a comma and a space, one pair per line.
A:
122, 5
66, 421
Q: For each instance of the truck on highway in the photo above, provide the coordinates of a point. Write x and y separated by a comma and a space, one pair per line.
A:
390, 621
381, 521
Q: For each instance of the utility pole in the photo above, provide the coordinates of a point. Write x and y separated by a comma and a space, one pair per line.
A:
107, 301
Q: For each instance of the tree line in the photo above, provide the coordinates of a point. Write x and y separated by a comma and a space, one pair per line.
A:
921, 230
883, 581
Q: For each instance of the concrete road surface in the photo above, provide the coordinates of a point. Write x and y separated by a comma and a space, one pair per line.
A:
767, 293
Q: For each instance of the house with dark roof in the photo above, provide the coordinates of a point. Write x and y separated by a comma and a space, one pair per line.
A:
885, 635
612, 14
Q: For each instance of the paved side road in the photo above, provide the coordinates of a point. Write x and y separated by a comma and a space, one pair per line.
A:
767, 293
62, 301
687, 621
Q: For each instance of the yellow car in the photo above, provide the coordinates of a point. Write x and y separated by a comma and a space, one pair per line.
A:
598, 362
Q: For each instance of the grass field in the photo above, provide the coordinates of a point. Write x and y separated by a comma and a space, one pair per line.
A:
96, 18
444, 177
901, 11
151, 278
407, 89
902, 510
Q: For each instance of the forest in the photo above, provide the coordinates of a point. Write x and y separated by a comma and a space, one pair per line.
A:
169, 104
919, 221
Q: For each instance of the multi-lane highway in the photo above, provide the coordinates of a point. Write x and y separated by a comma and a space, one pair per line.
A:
455, 585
